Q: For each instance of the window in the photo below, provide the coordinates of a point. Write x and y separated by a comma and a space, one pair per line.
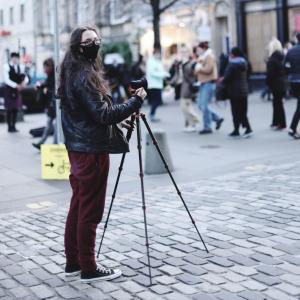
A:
22, 12
11, 15
117, 12
1, 17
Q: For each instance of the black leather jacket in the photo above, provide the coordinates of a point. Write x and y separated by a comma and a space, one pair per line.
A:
89, 120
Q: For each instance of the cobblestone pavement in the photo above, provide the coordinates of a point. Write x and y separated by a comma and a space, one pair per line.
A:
250, 222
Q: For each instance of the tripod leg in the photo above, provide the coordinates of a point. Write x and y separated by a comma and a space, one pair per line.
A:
172, 178
128, 136
139, 146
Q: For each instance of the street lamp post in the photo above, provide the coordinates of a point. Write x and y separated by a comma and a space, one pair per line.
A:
59, 133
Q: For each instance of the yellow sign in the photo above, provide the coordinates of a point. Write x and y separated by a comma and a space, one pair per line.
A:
55, 162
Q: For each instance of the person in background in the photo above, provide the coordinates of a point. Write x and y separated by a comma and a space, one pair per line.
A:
186, 103
292, 65
155, 75
15, 80
176, 77
235, 79
138, 69
275, 80
47, 95
206, 72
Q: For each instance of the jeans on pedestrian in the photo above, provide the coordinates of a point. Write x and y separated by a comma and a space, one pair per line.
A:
155, 100
204, 99
88, 180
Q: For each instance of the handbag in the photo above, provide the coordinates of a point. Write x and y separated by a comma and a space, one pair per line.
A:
221, 92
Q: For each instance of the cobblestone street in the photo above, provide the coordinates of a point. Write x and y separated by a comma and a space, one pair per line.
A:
250, 222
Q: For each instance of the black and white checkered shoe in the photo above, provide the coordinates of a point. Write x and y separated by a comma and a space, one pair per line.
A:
101, 273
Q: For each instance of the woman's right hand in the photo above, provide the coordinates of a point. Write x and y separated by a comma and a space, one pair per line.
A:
141, 93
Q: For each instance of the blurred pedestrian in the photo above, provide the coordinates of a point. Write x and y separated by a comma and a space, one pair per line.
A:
186, 103
206, 71
235, 80
138, 69
15, 80
155, 76
90, 125
176, 77
47, 95
275, 80
292, 64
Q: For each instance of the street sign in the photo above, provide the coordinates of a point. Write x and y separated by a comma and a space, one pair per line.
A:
54, 162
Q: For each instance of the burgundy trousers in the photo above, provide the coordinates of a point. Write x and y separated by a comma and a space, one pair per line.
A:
88, 180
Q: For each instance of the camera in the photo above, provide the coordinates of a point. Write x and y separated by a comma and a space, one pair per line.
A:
141, 83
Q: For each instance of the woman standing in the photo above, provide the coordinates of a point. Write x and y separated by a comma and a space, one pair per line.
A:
276, 82
235, 80
89, 121
186, 103
47, 92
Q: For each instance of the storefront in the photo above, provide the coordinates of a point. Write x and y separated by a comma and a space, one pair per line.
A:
259, 21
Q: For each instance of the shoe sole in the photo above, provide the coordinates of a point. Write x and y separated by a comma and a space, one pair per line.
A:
72, 274
104, 278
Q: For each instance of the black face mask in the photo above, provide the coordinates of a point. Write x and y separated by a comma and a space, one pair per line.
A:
90, 51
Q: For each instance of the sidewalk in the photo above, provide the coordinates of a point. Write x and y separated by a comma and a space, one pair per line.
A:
250, 222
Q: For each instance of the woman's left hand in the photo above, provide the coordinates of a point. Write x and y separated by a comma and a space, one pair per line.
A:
127, 125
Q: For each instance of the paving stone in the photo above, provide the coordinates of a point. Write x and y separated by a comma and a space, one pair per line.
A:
143, 280
146, 295
67, 292
203, 297
234, 277
269, 270
165, 280
265, 279
175, 296
160, 289
189, 279
105, 286
249, 295
133, 264
132, 287
224, 295
277, 295
213, 279
242, 260
175, 261
95, 294
289, 289
52, 268
155, 263
18, 292
42, 291
41, 274
220, 261
184, 289
254, 285
292, 279
194, 259
291, 259
246, 271
8, 283
121, 295
54, 282
27, 279
290, 268
170, 270
266, 259
184, 248
194, 270
14, 270
269, 251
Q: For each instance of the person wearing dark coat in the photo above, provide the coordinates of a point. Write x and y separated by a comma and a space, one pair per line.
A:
292, 64
276, 82
47, 92
235, 80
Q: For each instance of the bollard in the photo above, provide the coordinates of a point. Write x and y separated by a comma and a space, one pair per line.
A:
153, 162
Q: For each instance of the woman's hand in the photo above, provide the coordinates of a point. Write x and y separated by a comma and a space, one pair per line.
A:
141, 93
127, 125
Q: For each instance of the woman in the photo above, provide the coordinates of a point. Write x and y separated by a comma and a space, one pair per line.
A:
186, 103
276, 81
235, 80
46, 90
89, 124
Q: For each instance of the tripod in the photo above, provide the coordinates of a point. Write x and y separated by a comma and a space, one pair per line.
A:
136, 118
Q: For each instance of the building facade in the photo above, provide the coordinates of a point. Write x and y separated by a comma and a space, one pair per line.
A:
259, 21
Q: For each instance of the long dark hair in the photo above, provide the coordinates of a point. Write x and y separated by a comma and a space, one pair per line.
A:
74, 62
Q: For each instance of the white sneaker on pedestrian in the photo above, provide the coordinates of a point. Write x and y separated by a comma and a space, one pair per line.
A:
189, 129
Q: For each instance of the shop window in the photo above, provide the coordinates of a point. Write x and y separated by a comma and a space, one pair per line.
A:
261, 27
294, 21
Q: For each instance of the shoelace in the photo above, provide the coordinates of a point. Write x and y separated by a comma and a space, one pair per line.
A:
104, 270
